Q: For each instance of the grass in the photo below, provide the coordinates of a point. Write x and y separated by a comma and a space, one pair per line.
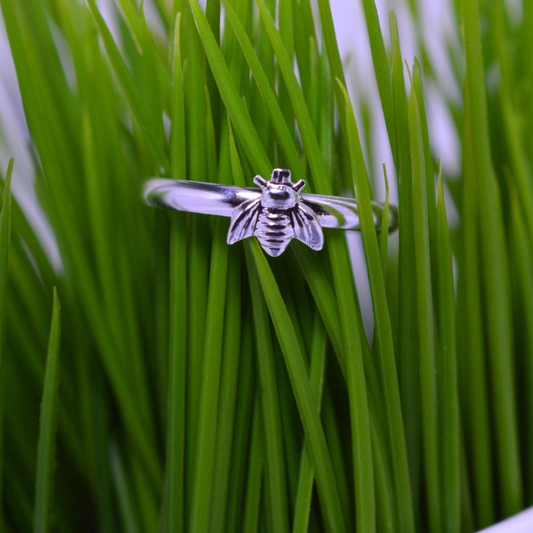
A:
188, 386
48, 426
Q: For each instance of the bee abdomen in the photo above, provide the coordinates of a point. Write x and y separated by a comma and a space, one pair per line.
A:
274, 231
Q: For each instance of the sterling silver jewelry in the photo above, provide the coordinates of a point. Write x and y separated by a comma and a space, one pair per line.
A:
275, 213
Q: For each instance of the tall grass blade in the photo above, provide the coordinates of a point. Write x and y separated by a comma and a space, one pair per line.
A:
48, 426
228, 91
382, 68
326, 485
474, 392
278, 121
275, 461
306, 476
246, 393
254, 482
426, 327
228, 393
141, 113
177, 316
387, 364
123, 491
523, 257
212, 359
5, 237
208, 414
321, 179
495, 271
408, 345
451, 460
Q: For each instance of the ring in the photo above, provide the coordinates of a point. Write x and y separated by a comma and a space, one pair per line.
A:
275, 213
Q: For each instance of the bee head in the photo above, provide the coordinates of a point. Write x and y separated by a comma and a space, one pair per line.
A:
280, 192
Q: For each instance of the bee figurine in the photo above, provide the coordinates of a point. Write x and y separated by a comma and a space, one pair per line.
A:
276, 216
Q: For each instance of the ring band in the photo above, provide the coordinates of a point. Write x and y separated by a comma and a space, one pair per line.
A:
275, 213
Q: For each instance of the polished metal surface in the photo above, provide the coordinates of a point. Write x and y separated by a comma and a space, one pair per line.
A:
275, 213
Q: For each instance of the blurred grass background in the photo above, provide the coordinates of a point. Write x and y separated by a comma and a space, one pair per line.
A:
155, 379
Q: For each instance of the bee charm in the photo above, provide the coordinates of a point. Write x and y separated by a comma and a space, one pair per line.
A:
275, 213
276, 216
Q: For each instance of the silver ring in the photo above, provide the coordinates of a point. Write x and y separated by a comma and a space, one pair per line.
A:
275, 213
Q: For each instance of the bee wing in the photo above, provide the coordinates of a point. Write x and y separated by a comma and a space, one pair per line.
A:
243, 220
307, 228
343, 213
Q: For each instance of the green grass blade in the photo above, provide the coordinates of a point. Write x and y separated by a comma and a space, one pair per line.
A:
467, 512
146, 505
359, 414
306, 477
123, 491
5, 237
230, 95
408, 366
277, 117
325, 111
178, 142
326, 485
208, 414
252, 505
321, 178
246, 393
96, 422
382, 68
429, 171
523, 258
128, 85
144, 40
385, 498
324, 296
426, 327
198, 239
522, 175
335, 437
255, 476
275, 461
48, 425
212, 12
495, 271
230, 43
228, 393
387, 364
471, 352
330, 41
451, 461
178, 315
286, 27
304, 35
290, 422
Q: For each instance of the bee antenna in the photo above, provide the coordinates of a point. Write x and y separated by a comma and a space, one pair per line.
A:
299, 185
262, 182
